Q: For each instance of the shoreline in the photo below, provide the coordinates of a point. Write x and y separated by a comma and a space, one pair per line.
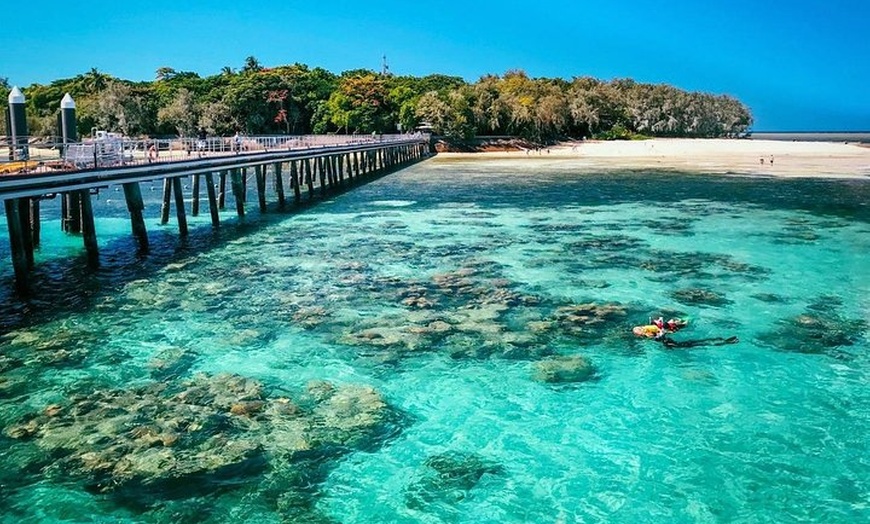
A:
702, 155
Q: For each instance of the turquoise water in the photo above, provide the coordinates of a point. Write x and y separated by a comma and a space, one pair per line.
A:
444, 288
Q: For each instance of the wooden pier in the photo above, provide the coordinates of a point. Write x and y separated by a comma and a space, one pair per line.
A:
297, 174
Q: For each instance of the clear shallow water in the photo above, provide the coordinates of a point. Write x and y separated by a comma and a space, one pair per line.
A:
771, 429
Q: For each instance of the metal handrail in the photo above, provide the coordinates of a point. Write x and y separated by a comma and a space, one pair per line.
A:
51, 155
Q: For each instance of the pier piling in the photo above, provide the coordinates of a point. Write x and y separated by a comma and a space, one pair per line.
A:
16, 244
35, 226
244, 193
308, 177
294, 181
89, 232
194, 206
133, 196
167, 196
260, 175
212, 200
279, 185
26, 233
238, 191
223, 190
72, 221
179, 206
321, 175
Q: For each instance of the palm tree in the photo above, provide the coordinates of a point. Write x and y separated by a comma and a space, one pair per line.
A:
94, 80
227, 71
252, 65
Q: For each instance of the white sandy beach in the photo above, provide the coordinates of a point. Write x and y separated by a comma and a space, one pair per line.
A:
741, 157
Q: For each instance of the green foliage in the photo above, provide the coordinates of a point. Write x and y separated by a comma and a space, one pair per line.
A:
619, 132
296, 99
359, 105
449, 113
217, 119
4, 102
182, 115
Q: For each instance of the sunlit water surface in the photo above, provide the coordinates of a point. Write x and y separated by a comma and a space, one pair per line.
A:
771, 429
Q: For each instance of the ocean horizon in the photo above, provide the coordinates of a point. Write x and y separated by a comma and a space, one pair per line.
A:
814, 136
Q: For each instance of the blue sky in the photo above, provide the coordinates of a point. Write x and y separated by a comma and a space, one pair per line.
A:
799, 65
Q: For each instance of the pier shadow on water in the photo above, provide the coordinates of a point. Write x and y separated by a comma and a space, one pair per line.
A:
65, 281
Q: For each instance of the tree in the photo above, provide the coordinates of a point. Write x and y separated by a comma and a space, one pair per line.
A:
449, 114
298, 99
279, 97
552, 113
95, 81
5, 88
182, 114
401, 103
359, 104
217, 119
252, 65
165, 73
118, 108
434, 110
245, 95
441, 83
491, 112
519, 94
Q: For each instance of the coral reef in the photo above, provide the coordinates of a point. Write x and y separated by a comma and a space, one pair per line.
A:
449, 478
562, 369
819, 329
590, 318
700, 296
208, 434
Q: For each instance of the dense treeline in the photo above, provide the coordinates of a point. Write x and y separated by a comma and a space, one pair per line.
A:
296, 99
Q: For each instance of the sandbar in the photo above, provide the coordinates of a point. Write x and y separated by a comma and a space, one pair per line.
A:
767, 158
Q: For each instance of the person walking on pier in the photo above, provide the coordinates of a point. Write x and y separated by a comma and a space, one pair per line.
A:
237, 143
200, 143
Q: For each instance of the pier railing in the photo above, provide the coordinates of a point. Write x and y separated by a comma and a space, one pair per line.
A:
51, 155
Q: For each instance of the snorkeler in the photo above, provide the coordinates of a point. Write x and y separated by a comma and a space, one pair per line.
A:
649, 331
671, 326
670, 343
657, 328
